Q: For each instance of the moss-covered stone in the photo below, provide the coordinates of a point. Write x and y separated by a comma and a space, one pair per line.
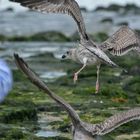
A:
17, 113
50, 36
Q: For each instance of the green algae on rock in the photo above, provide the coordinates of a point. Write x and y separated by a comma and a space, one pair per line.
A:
49, 36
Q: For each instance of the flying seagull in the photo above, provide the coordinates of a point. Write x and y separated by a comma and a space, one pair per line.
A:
81, 130
88, 52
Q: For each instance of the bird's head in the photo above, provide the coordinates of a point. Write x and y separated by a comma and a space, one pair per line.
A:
69, 54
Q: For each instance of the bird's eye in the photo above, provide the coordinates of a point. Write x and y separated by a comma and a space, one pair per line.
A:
67, 52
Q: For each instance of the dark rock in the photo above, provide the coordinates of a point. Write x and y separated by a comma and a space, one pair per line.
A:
51, 36
107, 20
9, 9
18, 112
15, 134
49, 108
112, 7
119, 8
132, 8
123, 23
46, 55
84, 9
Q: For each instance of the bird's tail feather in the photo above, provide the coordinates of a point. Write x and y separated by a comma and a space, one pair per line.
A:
117, 66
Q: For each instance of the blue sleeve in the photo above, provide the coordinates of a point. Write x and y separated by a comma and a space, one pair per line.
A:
6, 80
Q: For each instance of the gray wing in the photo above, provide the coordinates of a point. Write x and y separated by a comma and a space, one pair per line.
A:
97, 52
122, 41
114, 122
40, 84
69, 7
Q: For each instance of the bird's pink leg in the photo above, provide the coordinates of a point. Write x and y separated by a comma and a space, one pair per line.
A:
76, 74
97, 81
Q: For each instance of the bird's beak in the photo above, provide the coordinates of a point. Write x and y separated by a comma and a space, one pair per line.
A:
64, 56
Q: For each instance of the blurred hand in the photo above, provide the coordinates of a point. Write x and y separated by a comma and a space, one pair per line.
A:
6, 80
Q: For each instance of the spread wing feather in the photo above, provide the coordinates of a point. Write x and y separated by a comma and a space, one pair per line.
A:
122, 41
69, 7
22, 65
119, 119
113, 122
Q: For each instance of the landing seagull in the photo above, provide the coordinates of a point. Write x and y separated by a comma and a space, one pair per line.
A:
88, 52
81, 130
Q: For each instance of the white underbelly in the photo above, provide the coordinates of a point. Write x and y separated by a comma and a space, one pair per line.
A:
82, 54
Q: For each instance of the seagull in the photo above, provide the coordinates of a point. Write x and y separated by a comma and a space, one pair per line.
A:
88, 52
80, 130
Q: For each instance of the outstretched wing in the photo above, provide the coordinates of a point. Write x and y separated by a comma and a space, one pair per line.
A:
40, 84
113, 122
97, 52
119, 119
122, 41
69, 7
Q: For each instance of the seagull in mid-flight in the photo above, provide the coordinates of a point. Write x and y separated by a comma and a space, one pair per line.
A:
88, 52
81, 130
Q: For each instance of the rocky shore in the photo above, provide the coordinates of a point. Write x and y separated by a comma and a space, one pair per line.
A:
27, 111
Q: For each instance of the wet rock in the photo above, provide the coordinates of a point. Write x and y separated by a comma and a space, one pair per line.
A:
9, 9
15, 134
50, 36
84, 9
128, 8
63, 126
132, 8
107, 20
43, 57
49, 108
123, 23
10, 133
18, 113
112, 7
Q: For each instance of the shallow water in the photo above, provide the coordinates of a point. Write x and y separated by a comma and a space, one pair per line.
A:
28, 50
47, 134
25, 23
